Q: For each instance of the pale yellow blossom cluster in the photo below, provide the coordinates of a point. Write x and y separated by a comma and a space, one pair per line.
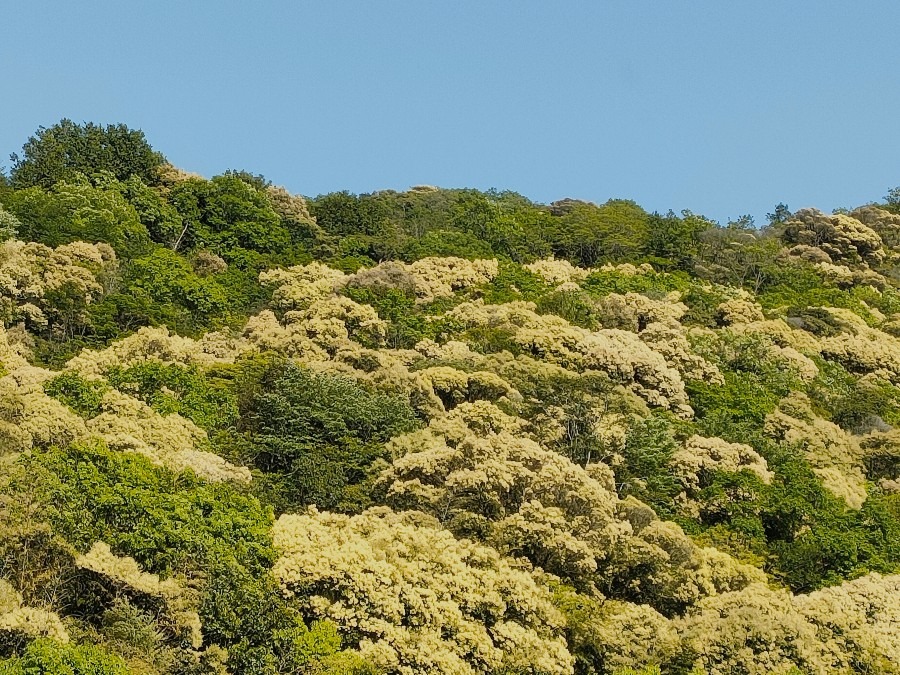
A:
293, 208
881, 455
452, 350
21, 623
699, 454
858, 622
757, 630
416, 599
781, 333
672, 343
173, 605
320, 332
841, 237
129, 425
845, 277
297, 287
477, 472
885, 223
454, 386
474, 468
834, 454
28, 417
658, 323
627, 269
626, 634
621, 354
739, 310
316, 323
30, 272
428, 278
862, 349
556, 272
634, 311
13, 354
441, 277
156, 344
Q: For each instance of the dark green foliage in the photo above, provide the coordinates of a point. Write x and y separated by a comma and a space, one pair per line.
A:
161, 218
342, 213
227, 215
702, 303
83, 396
407, 324
730, 513
872, 406
168, 522
59, 152
315, 436
673, 242
815, 539
576, 307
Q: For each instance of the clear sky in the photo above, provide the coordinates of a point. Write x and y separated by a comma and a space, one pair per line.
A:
718, 106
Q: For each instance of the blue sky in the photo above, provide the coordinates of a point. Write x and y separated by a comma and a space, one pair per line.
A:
720, 107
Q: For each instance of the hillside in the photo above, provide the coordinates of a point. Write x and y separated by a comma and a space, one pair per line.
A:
437, 431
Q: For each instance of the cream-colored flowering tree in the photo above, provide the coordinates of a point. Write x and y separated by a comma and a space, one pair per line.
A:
413, 599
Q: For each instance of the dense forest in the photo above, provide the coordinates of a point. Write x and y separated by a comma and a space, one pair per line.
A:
440, 431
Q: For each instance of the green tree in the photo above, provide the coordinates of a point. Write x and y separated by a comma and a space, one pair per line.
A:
673, 242
65, 149
47, 657
78, 211
590, 234
227, 215
315, 436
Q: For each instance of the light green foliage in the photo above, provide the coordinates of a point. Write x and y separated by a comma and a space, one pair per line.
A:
602, 282
46, 657
447, 243
167, 522
165, 277
515, 282
591, 234
78, 210
644, 471
83, 396
200, 396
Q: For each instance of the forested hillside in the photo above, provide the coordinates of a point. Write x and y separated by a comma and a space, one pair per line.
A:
440, 431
